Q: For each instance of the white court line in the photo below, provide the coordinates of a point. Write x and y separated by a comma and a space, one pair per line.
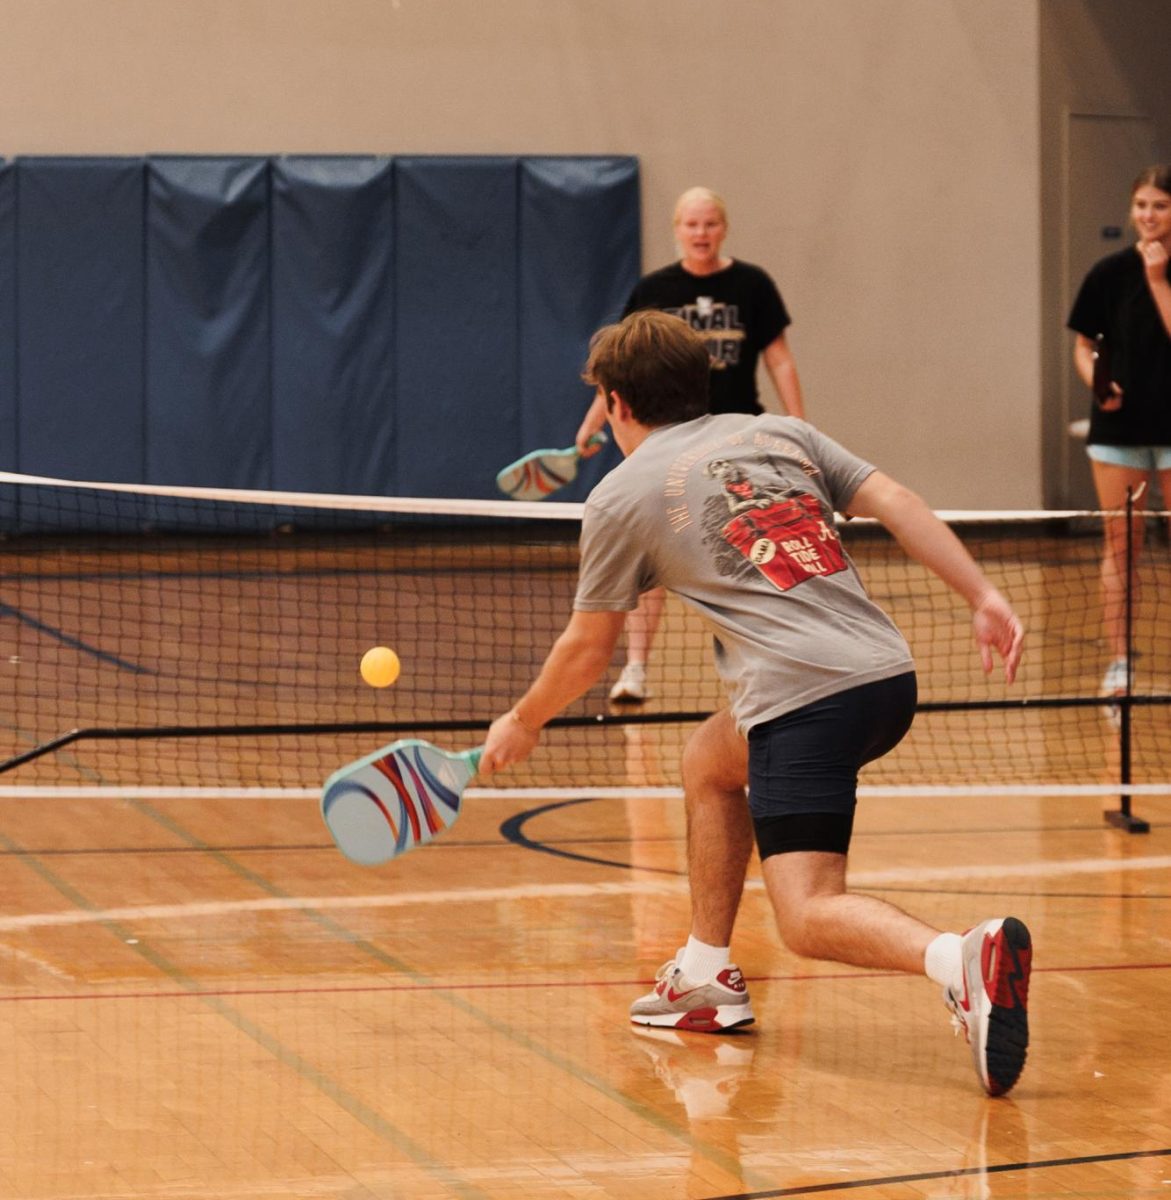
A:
217, 908
113, 792
38, 963
565, 891
1040, 870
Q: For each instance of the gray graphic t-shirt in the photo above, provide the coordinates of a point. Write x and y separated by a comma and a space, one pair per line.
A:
735, 515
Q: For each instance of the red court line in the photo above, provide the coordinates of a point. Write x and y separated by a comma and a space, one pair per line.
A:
515, 985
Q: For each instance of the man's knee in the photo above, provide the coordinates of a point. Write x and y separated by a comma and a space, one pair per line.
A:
716, 756
803, 887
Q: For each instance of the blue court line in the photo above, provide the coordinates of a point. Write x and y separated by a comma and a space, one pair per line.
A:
59, 635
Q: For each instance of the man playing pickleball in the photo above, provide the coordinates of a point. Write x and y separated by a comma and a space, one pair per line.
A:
735, 514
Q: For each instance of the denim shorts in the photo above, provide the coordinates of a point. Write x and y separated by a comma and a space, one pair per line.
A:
1138, 458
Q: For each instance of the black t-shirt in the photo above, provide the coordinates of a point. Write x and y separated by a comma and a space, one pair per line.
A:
1115, 300
737, 310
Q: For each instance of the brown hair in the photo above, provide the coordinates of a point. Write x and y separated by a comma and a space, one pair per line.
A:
1158, 176
656, 362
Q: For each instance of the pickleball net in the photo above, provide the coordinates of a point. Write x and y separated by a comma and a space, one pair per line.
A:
198, 638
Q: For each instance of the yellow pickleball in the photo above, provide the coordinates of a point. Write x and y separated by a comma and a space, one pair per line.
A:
380, 667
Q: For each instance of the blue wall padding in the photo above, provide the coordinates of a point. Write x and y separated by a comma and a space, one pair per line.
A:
208, 335
79, 317
333, 420
8, 457
366, 325
456, 333
569, 283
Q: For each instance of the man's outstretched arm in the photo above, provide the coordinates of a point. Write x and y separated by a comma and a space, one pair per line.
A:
578, 659
929, 541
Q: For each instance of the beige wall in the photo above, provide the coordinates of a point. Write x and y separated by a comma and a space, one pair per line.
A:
879, 157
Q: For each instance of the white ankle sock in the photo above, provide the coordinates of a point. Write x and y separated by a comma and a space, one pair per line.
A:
700, 962
943, 961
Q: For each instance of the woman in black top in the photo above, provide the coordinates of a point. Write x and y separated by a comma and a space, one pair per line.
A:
1122, 318
738, 311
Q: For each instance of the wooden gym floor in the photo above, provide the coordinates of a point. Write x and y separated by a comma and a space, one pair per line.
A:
201, 998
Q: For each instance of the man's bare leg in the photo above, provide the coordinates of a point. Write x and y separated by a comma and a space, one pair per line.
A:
701, 990
818, 918
719, 827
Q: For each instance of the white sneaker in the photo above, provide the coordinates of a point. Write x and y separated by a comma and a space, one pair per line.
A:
1115, 683
631, 685
681, 1003
992, 1010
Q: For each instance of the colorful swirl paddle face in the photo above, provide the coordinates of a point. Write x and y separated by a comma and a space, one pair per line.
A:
542, 472
399, 797
539, 474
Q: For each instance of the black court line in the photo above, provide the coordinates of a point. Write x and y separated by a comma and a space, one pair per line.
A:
512, 831
57, 634
964, 1173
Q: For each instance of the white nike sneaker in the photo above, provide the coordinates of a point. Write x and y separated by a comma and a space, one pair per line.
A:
992, 1009
678, 1003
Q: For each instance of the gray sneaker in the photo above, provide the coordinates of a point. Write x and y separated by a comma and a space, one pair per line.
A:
678, 1003
993, 1008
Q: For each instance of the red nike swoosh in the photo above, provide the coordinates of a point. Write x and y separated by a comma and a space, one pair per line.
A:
965, 1002
673, 995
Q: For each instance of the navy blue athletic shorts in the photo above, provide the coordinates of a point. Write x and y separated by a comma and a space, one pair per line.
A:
803, 766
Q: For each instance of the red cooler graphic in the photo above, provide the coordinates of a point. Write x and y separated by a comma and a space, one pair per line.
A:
787, 539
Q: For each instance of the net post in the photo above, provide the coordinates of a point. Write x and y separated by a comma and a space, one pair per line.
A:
1122, 817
